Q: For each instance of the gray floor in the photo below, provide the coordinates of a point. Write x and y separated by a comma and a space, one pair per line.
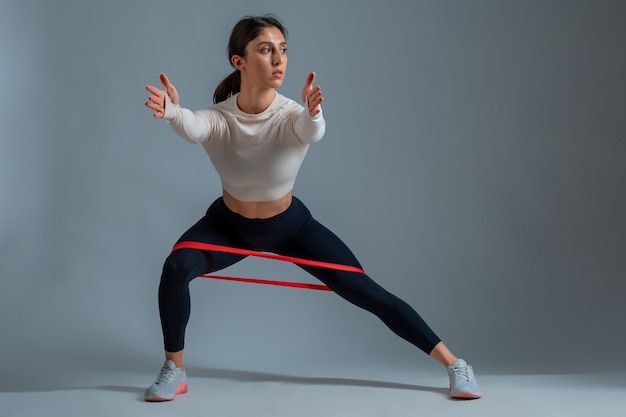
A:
384, 391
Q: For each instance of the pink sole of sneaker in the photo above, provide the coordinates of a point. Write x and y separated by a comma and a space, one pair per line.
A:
465, 396
181, 389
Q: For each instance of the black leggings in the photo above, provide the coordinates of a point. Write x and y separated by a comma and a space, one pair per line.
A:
292, 233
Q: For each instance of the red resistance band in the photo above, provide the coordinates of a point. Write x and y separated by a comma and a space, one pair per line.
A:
267, 255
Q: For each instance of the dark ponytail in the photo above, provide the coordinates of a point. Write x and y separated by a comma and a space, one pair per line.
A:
229, 86
244, 31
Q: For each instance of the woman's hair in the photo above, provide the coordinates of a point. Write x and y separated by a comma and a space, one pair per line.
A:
247, 29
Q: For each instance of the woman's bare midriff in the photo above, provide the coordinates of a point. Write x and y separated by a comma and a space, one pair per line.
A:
257, 209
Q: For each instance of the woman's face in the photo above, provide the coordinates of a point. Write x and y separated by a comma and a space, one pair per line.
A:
265, 62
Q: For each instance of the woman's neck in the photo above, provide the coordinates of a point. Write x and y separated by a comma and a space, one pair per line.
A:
255, 101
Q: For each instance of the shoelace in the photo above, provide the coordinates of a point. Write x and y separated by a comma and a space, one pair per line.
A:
462, 373
166, 375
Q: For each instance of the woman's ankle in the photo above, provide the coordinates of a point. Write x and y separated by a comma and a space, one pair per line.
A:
176, 357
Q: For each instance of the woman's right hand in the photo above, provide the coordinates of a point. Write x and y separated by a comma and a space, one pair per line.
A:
156, 100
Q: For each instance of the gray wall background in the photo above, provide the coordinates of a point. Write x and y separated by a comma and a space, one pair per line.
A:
473, 160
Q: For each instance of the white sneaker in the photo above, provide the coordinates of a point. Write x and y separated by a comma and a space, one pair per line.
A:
169, 383
462, 381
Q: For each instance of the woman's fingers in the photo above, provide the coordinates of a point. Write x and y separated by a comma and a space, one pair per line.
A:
169, 88
308, 85
315, 94
164, 80
152, 89
154, 104
314, 100
312, 96
156, 101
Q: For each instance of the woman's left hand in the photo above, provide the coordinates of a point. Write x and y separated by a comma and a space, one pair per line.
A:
312, 96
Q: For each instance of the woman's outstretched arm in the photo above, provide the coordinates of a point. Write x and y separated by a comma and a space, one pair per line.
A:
190, 126
309, 124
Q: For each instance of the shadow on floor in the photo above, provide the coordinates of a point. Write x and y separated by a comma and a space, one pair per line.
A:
247, 376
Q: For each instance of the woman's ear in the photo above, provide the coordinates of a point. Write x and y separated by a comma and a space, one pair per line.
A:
238, 62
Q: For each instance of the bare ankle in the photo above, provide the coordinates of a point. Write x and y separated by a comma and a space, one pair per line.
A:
176, 357
442, 354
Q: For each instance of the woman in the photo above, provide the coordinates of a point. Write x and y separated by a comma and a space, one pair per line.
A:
257, 140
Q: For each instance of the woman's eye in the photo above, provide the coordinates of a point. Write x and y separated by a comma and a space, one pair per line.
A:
265, 50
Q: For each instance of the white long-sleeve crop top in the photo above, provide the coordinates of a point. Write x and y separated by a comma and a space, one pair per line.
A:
257, 156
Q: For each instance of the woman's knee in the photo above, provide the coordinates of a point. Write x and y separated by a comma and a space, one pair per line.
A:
183, 265
361, 290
